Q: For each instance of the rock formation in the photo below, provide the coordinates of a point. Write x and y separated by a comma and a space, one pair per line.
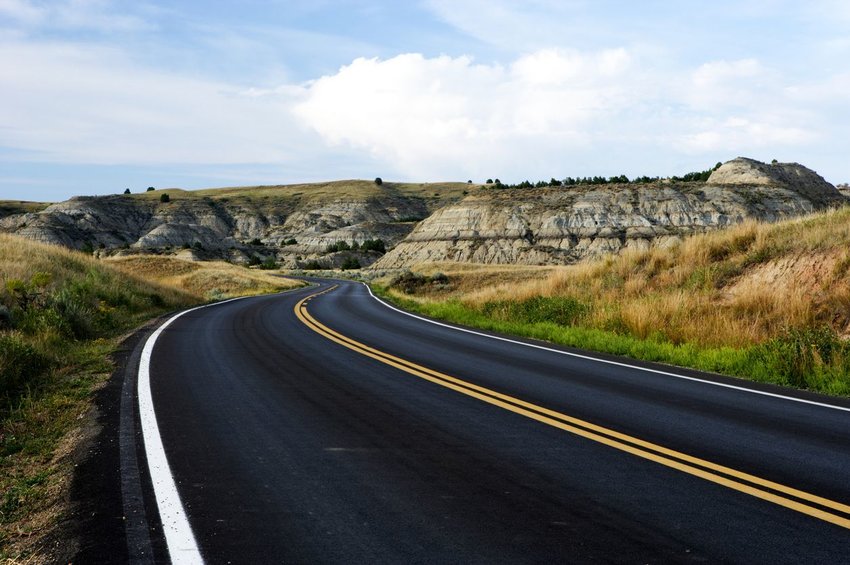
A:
562, 225
556, 225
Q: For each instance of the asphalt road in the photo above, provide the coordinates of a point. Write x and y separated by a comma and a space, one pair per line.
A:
353, 433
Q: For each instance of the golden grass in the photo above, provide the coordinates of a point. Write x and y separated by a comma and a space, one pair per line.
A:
736, 287
323, 191
22, 258
209, 280
43, 411
9, 207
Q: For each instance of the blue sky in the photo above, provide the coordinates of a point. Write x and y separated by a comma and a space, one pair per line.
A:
98, 95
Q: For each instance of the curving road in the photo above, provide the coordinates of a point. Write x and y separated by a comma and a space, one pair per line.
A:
338, 429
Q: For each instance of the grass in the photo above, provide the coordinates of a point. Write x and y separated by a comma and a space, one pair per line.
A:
62, 314
770, 302
9, 207
323, 191
212, 280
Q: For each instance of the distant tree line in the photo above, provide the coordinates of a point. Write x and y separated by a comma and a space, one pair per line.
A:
368, 245
697, 176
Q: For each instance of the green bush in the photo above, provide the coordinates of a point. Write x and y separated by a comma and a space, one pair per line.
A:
338, 246
815, 358
269, 264
20, 363
564, 311
350, 263
374, 245
164, 198
76, 315
312, 265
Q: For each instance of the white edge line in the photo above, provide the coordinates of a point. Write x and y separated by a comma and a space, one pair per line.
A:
609, 362
182, 547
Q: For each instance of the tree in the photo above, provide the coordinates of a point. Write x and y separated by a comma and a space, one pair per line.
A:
150, 188
379, 181
126, 191
164, 197
489, 181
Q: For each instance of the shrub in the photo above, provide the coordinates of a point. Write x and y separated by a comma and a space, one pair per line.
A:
20, 363
5, 318
804, 356
564, 311
374, 245
126, 191
150, 188
290, 241
269, 264
379, 181
312, 265
350, 263
254, 260
76, 317
409, 282
164, 197
255, 241
198, 246
338, 246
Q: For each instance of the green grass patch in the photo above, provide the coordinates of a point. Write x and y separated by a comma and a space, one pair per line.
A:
813, 359
57, 330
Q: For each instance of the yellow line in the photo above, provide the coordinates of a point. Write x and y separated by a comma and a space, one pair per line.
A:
611, 438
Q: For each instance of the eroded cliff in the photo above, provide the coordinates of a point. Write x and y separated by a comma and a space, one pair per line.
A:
428, 222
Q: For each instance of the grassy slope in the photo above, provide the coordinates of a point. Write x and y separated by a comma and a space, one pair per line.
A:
63, 313
10, 207
320, 192
212, 280
764, 301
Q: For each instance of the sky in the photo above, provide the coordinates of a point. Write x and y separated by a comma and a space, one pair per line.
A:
101, 95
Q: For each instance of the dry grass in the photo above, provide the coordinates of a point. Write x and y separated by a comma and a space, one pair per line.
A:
67, 312
736, 287
9, 207
21, 258
323, 191
209, 280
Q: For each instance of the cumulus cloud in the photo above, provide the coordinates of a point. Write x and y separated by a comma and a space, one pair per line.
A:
551, 111
450, 114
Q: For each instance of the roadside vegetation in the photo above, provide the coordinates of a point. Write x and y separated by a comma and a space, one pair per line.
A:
769, 302
62, 314
208, 280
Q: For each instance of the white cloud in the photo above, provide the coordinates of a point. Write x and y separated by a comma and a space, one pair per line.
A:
444, 115
65, 102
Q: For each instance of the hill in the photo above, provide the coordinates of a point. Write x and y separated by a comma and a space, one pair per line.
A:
764, 301
308, 225
62, 314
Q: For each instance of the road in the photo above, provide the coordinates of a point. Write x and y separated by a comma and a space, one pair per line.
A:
340, 430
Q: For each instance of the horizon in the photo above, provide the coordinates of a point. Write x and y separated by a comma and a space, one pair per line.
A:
100, 95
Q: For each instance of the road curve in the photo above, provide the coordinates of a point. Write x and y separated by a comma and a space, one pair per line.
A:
337, 429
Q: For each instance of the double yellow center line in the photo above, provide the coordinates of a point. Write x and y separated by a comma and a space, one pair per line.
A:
800, 501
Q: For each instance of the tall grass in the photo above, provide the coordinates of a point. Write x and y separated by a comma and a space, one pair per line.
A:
764, 301
61, 314
212, 280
